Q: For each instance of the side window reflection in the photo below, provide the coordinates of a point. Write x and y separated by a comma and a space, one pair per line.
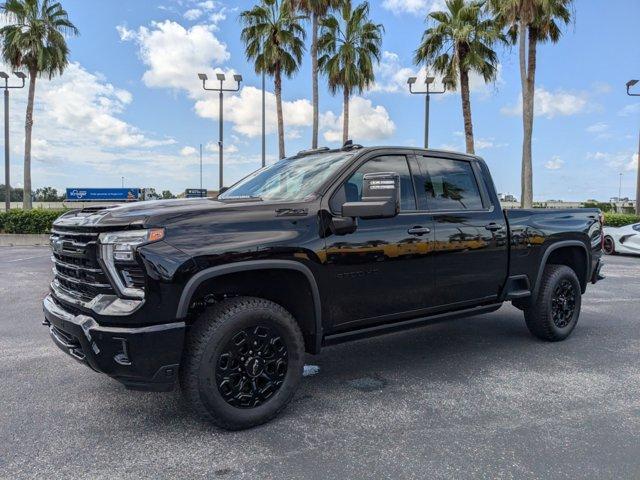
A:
448, 185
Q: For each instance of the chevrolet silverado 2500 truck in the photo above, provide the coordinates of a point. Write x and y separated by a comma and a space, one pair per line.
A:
224, 297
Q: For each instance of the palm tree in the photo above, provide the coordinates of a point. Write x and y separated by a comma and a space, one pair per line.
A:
349, 44
34, 39
460, 42
530, 22
274, 40
316, 9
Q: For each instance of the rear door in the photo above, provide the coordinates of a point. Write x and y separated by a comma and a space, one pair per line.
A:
470, 245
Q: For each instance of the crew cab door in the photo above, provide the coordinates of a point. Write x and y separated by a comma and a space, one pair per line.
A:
470, 245
382, 269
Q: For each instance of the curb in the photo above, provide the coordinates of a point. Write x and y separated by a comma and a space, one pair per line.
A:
23, 240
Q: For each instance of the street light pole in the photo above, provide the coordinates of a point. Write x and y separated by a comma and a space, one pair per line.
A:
620, 188
630, 84
7, 163
122, 180
427, 93
221, 77
200, 166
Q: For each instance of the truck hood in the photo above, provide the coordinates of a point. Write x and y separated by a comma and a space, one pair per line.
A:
158, 212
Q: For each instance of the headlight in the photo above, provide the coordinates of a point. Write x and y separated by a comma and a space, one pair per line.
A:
117, 251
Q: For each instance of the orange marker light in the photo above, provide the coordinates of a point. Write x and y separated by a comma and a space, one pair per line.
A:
156, 234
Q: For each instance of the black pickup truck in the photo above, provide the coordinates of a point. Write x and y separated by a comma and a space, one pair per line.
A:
225, 296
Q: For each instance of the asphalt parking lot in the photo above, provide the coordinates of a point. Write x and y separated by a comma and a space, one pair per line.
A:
473, 398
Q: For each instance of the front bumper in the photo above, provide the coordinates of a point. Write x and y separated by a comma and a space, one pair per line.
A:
145, 358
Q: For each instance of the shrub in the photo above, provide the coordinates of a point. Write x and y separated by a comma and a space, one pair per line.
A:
620, 219
28, 221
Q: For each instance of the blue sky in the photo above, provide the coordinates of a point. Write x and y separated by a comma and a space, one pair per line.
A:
131, 105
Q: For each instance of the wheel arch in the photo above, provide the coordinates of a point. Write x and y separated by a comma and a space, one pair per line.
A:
573, 254
255, 271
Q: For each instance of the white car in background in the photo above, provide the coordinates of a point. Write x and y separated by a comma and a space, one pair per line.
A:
622, 239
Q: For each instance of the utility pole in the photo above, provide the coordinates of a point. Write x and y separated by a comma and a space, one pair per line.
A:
200, 166
7, 162
221, 77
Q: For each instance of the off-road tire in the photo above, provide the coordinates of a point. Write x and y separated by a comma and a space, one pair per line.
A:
204, 344
539, 314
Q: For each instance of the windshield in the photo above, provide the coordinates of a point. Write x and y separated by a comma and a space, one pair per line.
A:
290, 179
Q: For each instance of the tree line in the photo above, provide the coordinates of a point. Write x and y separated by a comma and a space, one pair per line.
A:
345, 47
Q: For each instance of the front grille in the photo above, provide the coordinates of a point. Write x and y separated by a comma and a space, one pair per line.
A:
75, 264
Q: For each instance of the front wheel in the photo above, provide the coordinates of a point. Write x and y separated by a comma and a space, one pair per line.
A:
242, 363
554, 314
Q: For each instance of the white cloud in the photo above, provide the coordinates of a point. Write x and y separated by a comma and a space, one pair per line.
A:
188, 151
85, 103
193, 14
551, 104
392, 75
486, 143
366, 122
630, 110
555, 163
619, 161
599, 127
172, 53
244, 110
414, 7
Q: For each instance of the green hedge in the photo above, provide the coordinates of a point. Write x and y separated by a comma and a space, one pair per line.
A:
28, 221
620, 219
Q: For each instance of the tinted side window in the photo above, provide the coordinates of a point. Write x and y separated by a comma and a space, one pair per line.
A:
448, 184
636, 227
352, 189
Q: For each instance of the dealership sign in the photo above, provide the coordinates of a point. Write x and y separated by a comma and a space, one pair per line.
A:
195, 193
102, 194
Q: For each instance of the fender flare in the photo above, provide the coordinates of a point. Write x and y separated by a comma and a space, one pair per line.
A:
212, 272
550, 250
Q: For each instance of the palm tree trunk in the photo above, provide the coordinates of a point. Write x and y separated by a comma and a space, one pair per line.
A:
527, 112
345, 116
466, 110
526, 200
314, 75
278, 92
28, 128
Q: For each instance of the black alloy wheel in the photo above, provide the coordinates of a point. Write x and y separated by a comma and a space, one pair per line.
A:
563, 304
251, 367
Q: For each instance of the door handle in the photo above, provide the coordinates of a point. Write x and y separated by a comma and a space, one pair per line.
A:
493, 227
418, 230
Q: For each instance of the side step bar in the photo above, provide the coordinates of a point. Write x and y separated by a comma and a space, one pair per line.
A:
406, 324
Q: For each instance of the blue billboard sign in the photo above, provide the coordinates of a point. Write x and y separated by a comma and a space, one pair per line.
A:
102, 194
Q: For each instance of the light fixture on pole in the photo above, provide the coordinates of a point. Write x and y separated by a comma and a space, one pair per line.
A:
7, 166
630, 84
427, 93
221, 78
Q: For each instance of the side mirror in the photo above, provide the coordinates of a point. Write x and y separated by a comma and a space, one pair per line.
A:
380, 197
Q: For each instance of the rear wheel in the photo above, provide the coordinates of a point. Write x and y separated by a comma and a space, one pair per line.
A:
555, 312
609, 245
243, 362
